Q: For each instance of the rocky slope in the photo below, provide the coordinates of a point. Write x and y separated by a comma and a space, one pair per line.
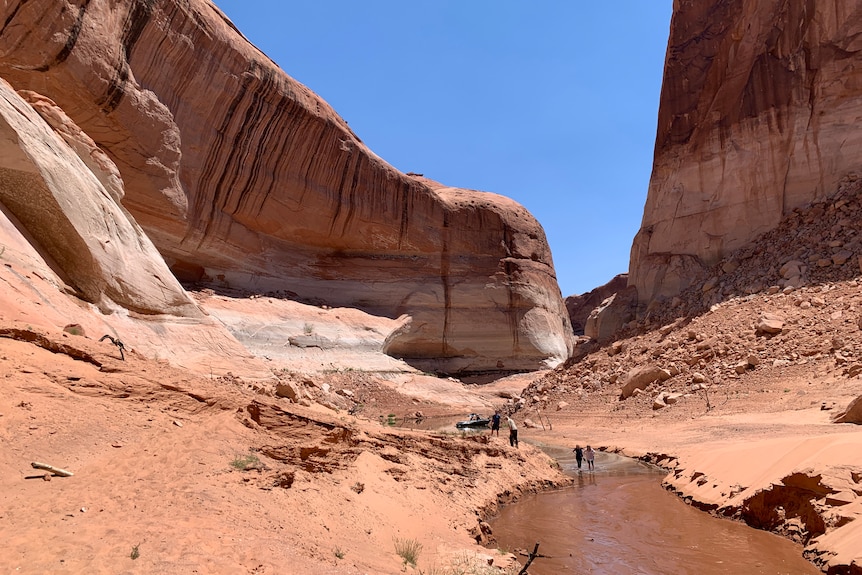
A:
734, 384
245, 179
757, 118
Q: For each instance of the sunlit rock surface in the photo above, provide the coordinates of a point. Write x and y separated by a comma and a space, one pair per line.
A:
758, 116
244, 178
62, 194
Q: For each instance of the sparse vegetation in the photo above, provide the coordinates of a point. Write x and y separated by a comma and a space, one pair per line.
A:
135, 552
339, 553
408, 550
246, 462
389, 420
308, 329
703, 390
470, 564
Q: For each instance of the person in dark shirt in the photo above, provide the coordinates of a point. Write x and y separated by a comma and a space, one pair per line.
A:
495, 423
579, 455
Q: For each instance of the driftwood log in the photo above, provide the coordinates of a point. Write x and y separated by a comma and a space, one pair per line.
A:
532, 556
120, 345
55, 470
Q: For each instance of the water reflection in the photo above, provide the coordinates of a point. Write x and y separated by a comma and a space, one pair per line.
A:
618, 520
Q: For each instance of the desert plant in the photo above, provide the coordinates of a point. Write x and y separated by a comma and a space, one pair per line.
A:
246, 462
703, 390
339, 553
308, 329
135, 552
408, 550
471, 564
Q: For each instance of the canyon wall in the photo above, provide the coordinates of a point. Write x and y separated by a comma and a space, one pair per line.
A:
758, 116
59, 192
246, 180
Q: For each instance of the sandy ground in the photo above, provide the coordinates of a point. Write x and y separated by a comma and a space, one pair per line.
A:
260, 441
175, 473
219, 474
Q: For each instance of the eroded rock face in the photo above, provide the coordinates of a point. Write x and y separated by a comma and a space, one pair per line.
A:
63, 194
757, 117
244, 178
579, 307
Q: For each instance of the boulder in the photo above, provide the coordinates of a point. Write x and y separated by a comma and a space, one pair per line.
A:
792, 268
606, 320
673, 398
579, 307
289, 390
853, 413
769, 324
640, 378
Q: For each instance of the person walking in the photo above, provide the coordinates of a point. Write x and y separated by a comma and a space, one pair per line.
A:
495, 423
513, 431
590, 456
579, 455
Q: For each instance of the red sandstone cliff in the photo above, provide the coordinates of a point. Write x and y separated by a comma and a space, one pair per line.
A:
758, 116
244, 178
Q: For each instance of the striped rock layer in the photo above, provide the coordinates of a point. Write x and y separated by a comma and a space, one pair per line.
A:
758, 116
245, 179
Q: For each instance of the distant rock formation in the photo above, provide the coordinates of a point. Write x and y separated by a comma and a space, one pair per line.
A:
244, 178
580, 306
758, 116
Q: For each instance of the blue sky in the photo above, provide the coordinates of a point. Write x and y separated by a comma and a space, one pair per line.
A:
551, 103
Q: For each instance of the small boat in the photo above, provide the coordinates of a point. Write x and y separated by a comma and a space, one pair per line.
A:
474, 421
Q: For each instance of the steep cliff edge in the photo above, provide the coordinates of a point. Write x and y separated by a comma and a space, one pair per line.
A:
243, 178
757, 117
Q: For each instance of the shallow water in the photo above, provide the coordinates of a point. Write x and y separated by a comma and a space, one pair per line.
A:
618, 520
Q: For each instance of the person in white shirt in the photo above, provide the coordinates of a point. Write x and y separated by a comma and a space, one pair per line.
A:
590, 456
513, 432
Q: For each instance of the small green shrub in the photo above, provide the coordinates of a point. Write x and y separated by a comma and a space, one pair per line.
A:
391, 420
408, 550
339, 553
308, 329
246, 462
135, 552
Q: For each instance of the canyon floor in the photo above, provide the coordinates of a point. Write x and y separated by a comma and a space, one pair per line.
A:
300, 448
177, 472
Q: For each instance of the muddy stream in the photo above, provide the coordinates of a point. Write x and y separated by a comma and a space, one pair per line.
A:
619, 520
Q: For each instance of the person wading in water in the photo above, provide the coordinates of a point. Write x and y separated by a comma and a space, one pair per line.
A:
591, 456
579, 455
